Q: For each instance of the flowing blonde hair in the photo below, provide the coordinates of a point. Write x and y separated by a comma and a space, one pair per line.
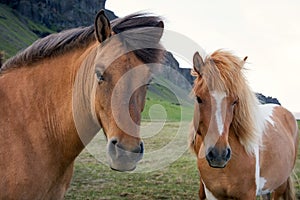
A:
222, 71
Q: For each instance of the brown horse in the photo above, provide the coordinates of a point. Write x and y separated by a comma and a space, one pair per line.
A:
243, 149
57, 94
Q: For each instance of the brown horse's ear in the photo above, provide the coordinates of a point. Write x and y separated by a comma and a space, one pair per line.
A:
198, 63
102, 27
160, 25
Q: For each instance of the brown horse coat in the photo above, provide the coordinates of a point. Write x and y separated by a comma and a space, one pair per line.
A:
39, 139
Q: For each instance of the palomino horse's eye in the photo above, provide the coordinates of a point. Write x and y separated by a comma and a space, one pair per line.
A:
199, 100
235, 102
100, 77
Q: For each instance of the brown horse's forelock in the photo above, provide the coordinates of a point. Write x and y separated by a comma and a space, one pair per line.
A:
65, 41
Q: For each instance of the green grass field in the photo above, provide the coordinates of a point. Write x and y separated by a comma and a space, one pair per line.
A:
297, 170
179, 180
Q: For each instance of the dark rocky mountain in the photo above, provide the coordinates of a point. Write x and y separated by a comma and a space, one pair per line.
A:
177, 78
264, 99
58, 15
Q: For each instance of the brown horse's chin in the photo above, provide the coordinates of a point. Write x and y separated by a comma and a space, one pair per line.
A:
123, 166
123, 170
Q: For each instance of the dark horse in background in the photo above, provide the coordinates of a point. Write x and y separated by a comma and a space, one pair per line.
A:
56, 95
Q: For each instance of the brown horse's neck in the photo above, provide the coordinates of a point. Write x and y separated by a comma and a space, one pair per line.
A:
83, 98
81, 124
44, 95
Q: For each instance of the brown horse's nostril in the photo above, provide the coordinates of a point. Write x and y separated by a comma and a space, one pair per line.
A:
142, 147
139, 149
114, 141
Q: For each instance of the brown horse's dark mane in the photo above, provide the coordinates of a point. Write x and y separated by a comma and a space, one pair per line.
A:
65, 41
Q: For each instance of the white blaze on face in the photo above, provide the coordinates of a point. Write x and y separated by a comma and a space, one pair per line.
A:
218, 97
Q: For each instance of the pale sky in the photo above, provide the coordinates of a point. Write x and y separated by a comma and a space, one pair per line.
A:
266, 31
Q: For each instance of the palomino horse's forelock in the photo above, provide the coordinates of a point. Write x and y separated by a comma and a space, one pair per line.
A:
223, 72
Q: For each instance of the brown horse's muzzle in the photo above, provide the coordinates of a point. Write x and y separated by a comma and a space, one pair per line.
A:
122, 159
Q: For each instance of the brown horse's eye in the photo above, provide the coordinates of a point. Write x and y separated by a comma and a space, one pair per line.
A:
199, 100
100, 77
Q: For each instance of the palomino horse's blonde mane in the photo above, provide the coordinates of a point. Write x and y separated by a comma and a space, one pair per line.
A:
224, 72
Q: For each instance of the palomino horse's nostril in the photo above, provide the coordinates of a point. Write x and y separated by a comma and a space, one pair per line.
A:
228, 154
211, 155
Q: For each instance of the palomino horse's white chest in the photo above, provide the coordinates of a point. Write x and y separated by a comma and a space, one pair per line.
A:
266, 114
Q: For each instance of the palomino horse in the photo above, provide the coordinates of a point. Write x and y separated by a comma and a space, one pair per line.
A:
44, 126
243, 149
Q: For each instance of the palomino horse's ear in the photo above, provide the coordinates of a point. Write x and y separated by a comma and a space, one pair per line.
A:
244, 61
102, 27
198, 63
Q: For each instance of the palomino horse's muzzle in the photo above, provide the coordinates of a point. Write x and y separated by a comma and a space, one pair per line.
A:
218, 158
122, 159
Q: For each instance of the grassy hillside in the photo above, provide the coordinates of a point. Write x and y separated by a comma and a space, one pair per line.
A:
161, 109
16, 33
167, 101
